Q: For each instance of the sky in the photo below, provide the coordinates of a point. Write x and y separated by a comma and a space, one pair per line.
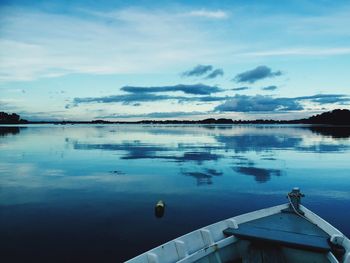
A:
133, 60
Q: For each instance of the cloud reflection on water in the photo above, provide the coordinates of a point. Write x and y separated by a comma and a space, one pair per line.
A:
223, 143
204, 177
261, 175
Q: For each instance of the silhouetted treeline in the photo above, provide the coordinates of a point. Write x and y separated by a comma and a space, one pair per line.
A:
335, 117
13, 118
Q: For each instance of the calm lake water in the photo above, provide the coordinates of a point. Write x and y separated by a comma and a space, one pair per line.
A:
87, 193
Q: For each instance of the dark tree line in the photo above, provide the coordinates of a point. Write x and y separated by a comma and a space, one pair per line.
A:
335, 117
13, 118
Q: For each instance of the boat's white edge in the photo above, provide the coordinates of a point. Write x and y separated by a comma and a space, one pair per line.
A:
336, 236
204, 241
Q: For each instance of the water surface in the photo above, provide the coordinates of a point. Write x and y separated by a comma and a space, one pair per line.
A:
87, 193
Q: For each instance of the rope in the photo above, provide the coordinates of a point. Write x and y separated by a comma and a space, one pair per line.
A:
295, 210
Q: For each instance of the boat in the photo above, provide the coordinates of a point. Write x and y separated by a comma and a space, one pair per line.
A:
284, 233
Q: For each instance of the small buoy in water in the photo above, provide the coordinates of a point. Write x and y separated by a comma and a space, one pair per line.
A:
159, 209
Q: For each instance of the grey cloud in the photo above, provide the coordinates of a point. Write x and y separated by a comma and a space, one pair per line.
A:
270, 88
243, 103
196, 89
125, 99
152, 115
141, 97
209, 98
258, 73
240, 88
203, 99
326, 98
330, 100
237, 103
173, 114
318, 96
197, 71
215, 73
201, 70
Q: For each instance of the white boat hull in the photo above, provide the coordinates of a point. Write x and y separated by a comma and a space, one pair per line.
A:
210, 244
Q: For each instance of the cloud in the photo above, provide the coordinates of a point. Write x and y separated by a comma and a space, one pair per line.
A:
258, 103
237, 103
172, 114
308, 51
258, 73
156, 115
269, 88
201, 70
198, 70
131, 99
240, 88
261, 103
326, 98
141, 97
125, 99
215, 73
196, 89
145, 94
219, 14
37, 43
331, 100
208, 98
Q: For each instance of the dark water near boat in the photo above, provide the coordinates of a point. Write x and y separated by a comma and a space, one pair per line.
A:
87, 193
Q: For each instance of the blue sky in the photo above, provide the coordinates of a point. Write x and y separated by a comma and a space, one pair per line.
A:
131, 60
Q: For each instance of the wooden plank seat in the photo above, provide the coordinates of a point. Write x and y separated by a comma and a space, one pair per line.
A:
283, 238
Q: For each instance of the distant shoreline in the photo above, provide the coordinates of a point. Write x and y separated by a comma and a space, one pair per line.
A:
335, 117
172, 123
